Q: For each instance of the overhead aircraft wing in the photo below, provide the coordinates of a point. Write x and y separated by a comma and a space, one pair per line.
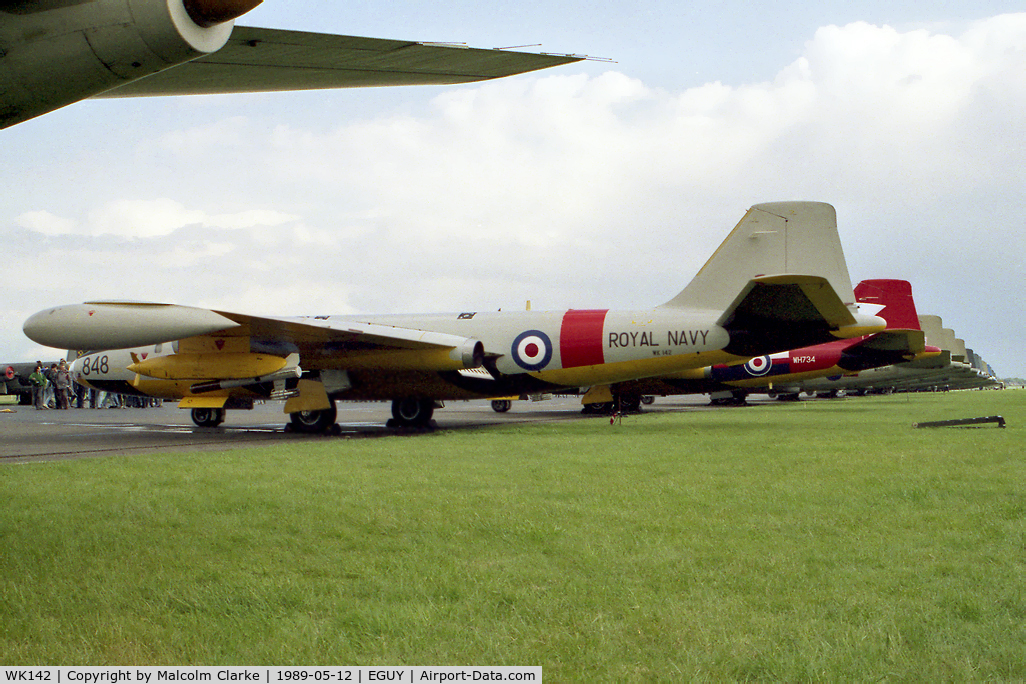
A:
264, 60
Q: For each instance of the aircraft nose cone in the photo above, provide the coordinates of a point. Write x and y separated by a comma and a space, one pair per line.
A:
40, 328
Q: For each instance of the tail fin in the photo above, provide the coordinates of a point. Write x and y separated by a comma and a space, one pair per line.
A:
901, 341
895, 296
780, 281
932, 326
778, 238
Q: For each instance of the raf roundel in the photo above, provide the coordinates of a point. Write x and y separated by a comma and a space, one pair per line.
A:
532, 350
760, 365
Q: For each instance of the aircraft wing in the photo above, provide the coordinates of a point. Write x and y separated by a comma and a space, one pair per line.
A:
321, 341
790, 311
264, 60
358, 343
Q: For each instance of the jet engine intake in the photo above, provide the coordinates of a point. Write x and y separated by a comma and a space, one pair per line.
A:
470, 353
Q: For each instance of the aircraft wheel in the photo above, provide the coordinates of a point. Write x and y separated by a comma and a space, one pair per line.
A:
502, 405
208, 417
630, 404
412, 411
648, 400
314, 421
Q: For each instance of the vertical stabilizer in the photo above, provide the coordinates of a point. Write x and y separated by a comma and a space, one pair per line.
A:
777, 238
895, 296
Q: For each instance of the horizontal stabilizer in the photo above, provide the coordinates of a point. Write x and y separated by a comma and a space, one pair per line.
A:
932, 361
267, 60
784, 312
883, 349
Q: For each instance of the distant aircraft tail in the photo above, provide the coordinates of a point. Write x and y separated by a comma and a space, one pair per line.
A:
901, 341
781, 276
895, 296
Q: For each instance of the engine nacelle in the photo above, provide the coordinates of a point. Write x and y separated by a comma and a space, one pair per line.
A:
470, 353
54, 54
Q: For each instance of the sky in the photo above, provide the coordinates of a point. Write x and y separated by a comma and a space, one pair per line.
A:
601, 184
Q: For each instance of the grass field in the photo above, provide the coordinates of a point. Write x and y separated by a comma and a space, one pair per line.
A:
826, 540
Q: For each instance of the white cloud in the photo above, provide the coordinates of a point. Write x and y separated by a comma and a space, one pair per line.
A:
138, 218
142, 218
44, 222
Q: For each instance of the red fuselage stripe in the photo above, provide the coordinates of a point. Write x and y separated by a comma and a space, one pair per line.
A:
580, 337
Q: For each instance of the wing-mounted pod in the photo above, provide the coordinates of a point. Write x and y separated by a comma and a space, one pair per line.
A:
289, 370
58, 53
120, 325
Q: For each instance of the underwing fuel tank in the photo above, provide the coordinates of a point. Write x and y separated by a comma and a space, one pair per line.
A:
224, 365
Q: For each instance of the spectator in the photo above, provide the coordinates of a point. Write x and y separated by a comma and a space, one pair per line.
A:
39, 383
62, 385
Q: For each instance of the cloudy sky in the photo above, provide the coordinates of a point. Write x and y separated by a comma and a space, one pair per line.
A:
599, 184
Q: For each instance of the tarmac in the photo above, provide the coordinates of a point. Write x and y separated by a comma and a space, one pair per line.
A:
29, 435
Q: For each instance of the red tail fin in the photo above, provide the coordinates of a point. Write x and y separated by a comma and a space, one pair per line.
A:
895, 296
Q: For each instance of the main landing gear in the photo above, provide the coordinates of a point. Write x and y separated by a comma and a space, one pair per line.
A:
313, 421
412, 412
409, 412
208, 417
621, 404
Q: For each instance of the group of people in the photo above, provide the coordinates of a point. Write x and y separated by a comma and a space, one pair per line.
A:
55, 385
58, 378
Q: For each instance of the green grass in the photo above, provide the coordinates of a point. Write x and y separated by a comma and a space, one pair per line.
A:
813, 541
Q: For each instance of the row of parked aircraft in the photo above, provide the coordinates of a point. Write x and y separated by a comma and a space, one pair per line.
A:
774, 304
913, 354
